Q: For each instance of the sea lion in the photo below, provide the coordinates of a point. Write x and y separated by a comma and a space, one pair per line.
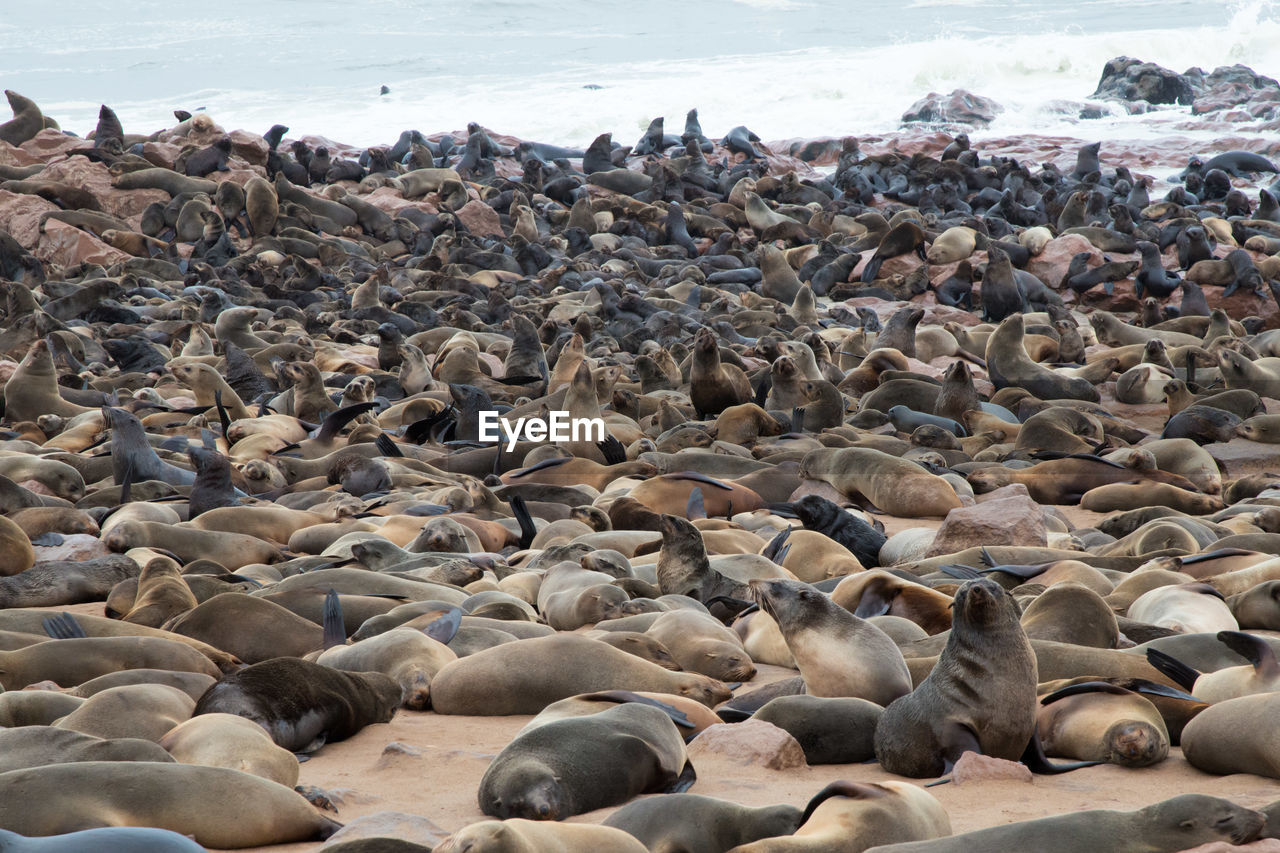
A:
698, 824
35, 745
1180, 823
220, 808
525, 677
1102, 722
980, 696
407, 655
850, 817
579, 764
891, 484
880, 593
226, 740
714, 386
303, 705
829, 730
518, 836
75, 661
105, 840
837, 653
145, 711
27, 119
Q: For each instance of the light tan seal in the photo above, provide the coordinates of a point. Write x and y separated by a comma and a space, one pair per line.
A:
837, 653
525, 836
889, 483
220, 808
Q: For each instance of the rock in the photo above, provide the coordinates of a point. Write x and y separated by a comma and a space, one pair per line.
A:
249, 147
972, 767
405, 827
12, 155
1128, 79
1050, 266
749, 742
959, 107
1266, 845
20, 216
480, 219
1012, 520
18, 555
96, 178
47, 143
74, 546
162, 154
1013, 490
65, 245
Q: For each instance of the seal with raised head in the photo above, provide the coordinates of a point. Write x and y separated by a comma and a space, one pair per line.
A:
979, 697
837, 653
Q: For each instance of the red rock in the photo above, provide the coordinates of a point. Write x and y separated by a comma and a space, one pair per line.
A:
249, 147
749, 742
1013, 520
96, 178
1050, 266
11, 155
972, 767
480, 219
65, 245
958, 107
1266, 845
47, 143
20, 216
162, 154
1012, 490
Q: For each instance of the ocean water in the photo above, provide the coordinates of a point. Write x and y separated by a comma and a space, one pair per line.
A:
563, 71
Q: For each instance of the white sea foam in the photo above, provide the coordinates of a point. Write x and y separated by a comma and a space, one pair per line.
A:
536, 77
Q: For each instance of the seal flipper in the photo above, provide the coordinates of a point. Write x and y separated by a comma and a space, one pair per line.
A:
1253, 649
223, 417
335, 632
872, 603
63, 627
614, 452
797, 419
839, 788
335, 421
696, 507
685, 780
1177, 671
1084, 687
735, 606
527, 528
445, 627
958, 571
387, 447
1038, 762
957, 740
1142, 685
775, 544
626, 696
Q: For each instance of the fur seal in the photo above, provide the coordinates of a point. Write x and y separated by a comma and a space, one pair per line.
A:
220, 808
891, 484
1097, 721
578, 764
303, 705
698, 824
837, 653
525, 677
518, 835
980, 696
1179, 823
